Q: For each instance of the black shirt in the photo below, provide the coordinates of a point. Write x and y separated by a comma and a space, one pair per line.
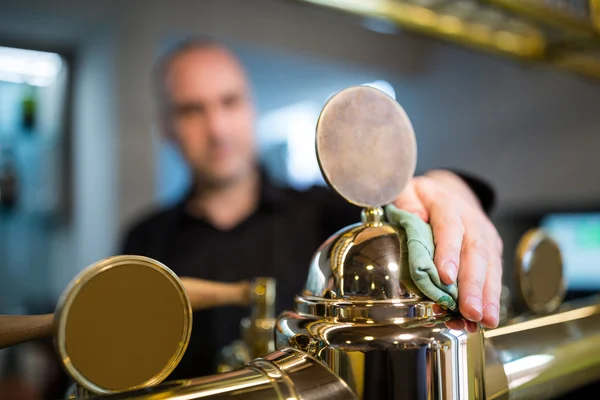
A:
278, 240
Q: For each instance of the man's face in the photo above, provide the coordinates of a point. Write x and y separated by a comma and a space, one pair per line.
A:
210, 114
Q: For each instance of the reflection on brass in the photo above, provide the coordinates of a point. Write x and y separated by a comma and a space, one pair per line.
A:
257, 329
547, 356
363, 261
539, 270
365, 146
380, 334
123, 323
286, 374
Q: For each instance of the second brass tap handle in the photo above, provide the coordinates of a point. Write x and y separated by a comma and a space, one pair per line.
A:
209, 294
203, 294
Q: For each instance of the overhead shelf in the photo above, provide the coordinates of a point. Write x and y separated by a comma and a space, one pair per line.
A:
579, 59
577, 17
572, 30
567, 36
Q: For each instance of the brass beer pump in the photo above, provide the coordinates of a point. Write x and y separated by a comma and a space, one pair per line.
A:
360, 312
360, 329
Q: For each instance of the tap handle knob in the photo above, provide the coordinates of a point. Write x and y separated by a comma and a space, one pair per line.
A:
366, 146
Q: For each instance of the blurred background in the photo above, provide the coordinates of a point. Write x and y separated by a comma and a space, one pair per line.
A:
510, 92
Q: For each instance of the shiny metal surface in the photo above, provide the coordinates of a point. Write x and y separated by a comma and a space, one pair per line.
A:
423, 359
496, 382
547, 356
539, 270
363, 261
126, 311
257, 329
366, 146
366, 310
76, 392
288, 374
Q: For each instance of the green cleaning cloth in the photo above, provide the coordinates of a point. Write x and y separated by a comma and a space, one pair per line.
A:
419, 252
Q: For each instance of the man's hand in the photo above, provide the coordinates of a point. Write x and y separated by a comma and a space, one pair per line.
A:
468, 248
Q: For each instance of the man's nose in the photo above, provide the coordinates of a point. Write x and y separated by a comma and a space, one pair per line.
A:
216, 123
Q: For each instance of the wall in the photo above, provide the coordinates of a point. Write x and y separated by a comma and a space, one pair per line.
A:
90, 233
36, 156
532, 131
95, 163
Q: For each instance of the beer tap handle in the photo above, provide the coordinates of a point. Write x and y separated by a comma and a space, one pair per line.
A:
15, 329
203, 294
366, 146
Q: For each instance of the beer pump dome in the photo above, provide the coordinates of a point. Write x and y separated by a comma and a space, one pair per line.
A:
366, 149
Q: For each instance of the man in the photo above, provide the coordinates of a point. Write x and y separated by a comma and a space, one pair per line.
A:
234, 225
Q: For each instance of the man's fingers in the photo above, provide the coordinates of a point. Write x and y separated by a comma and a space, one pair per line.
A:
491, 293
495, 238
410, 202
475, 256
493, 282
447, 236
466, 244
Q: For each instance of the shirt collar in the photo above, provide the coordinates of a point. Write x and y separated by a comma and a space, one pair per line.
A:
272, 197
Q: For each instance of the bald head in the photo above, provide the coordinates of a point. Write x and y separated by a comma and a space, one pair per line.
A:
206, 50
206, 108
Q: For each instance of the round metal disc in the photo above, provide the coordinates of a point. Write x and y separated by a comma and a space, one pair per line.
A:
366, 146
122, 324
539, 269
